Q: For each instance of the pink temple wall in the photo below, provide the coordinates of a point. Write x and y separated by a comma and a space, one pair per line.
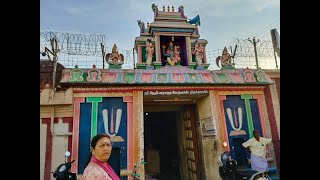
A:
75, 139
52, 148
269, 98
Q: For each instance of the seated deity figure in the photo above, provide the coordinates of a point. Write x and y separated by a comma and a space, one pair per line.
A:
150, 51
114, 58
225, 58
172, 54
198, 51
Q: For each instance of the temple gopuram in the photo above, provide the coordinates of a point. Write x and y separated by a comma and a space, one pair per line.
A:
170, 104
169, 41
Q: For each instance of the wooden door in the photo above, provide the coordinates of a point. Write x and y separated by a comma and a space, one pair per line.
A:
191, 147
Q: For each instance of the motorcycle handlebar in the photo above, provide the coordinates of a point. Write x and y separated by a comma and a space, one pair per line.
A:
69, 163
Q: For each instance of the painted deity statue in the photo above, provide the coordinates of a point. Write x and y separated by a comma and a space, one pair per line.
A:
150, 51
172, 53
114, 58
225, 58
176, 54
198, 51
141, 26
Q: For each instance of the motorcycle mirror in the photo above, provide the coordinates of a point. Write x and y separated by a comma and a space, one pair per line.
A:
67, 153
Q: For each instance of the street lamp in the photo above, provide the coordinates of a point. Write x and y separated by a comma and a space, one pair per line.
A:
53, 57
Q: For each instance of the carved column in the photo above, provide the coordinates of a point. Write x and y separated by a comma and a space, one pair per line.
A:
158, 50
129, 101
204, 56
189, 54
138, 135
139, 54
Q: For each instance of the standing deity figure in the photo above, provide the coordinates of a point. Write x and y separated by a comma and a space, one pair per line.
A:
114, 58
150, 51
172, 53
198, 51
176, 54
141, 26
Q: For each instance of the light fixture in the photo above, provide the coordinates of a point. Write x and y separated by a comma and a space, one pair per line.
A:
52, 54
225, 144
172, 38
53, 57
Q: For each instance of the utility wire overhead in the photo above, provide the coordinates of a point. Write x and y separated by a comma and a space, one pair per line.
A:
263, 29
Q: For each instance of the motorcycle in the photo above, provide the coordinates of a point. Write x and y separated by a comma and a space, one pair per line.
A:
260, 176
228, 169
227, 166
252, 175
62, 172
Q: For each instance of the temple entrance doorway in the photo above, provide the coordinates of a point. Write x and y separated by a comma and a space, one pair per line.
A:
161, 145
170, 139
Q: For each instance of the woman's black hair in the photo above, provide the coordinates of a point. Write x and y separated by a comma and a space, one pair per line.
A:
93, 144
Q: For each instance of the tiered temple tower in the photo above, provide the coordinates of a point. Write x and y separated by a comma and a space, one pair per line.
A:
169, 26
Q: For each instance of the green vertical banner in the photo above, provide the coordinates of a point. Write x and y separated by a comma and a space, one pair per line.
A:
247, 98
94, 114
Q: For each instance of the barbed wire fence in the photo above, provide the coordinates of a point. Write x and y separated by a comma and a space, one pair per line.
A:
86, 50
81, 49
245, 56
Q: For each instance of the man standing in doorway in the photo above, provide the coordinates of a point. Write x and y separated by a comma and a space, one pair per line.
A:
257, 147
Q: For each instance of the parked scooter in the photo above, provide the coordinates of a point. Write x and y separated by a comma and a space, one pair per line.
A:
252, 175
228, 166
228, 169
260, 176
62, 172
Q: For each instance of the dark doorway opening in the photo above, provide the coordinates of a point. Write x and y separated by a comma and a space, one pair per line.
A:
160, 129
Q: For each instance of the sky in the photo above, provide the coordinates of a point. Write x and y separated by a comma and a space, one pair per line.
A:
221, 20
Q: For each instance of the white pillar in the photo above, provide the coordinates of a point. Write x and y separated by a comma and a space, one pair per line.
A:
188, 45
157, 44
